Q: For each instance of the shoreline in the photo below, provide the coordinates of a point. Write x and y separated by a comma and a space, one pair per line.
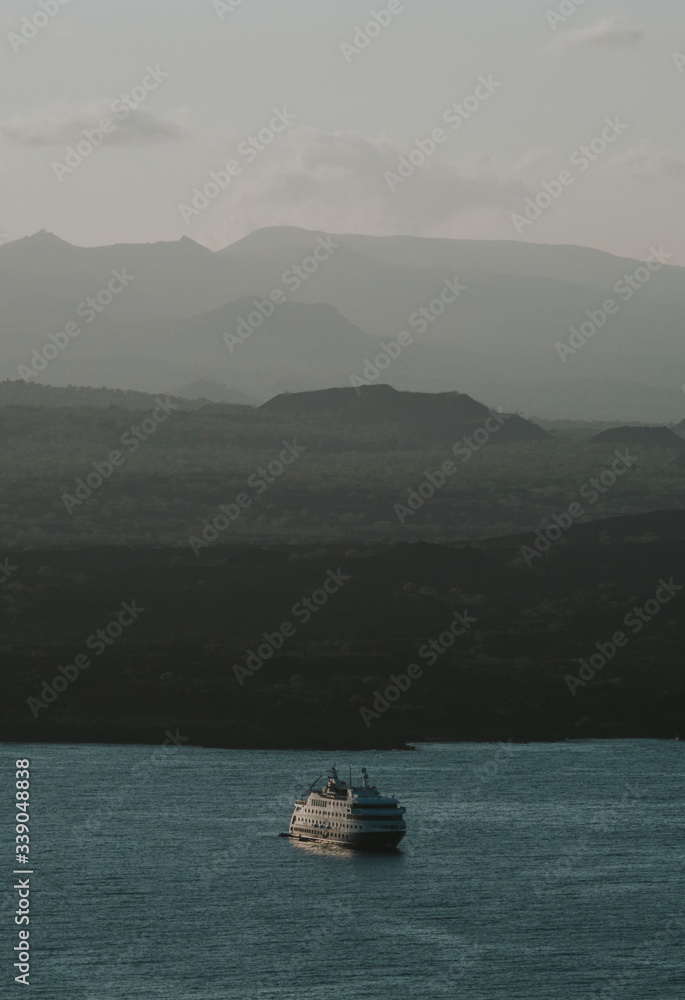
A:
411, 745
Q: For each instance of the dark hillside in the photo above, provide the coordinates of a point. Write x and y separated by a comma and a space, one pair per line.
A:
530, 627
433, 416
647, 437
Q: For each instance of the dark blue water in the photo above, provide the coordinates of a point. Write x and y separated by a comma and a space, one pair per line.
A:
541, 871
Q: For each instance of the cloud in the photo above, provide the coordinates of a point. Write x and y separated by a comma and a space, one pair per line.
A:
335, 181
647, 162
609, 32
62, 124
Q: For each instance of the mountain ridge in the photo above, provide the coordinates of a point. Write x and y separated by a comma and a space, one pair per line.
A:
498, 340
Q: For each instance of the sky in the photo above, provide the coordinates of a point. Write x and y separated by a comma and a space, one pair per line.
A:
489, 102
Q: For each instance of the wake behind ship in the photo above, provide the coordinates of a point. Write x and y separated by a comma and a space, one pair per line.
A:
353, 815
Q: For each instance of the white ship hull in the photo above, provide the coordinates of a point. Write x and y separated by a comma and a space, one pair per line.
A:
349, 816
362, 841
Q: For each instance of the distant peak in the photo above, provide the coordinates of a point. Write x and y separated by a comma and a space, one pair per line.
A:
185, 244
274, 237
43, 236
187, 241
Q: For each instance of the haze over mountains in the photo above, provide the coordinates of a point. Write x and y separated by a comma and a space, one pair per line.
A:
495, 339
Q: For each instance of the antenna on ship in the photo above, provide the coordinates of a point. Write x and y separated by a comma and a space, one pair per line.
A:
311, 787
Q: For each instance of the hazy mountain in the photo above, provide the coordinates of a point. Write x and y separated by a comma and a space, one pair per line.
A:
502, 331
20, 393
498, 339
169, 279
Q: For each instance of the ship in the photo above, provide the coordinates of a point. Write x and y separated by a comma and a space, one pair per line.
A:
342, 813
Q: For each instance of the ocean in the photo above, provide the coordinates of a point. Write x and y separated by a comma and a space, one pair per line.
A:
550, 871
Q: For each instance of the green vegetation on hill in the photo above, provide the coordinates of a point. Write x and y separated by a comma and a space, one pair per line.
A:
313, 496
351, 481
